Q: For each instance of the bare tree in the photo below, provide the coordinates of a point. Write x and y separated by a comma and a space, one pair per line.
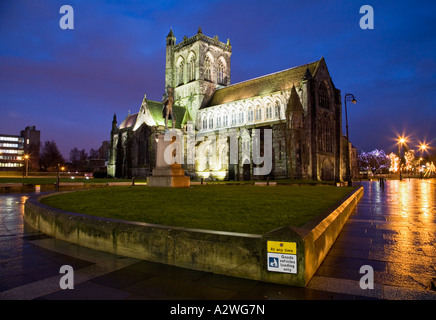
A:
50, 156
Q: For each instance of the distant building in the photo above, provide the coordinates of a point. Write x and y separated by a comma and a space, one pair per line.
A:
32, 145
11, 152
98, 165
103, 151
13, 148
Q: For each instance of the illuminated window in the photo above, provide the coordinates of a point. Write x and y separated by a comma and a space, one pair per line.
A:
233, 118
10, 139
268, 113
250, 115
11, 151
180, 72
258, 113
221, 73
241, 116
277, 110
226, 120
191, 68
9, 145
207, 69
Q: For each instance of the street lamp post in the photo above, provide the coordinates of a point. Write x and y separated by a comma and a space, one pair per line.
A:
348, 97
58, 175
401, 141
26, 158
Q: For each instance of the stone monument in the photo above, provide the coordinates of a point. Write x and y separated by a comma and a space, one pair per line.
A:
168, 171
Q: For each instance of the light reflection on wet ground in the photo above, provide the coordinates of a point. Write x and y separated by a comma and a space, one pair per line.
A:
393, 229
10, 223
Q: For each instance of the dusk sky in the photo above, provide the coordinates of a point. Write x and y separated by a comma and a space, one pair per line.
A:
69, 83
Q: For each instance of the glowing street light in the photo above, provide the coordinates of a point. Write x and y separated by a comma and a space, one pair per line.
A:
26, 158
401, 141
423, 147
60, 168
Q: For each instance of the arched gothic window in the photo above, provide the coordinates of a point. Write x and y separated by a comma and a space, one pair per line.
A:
326, 134
258, 113
204, 123
180, 72
241, 116
218, 121
221, 73
250, 115
268, 113
207, 69
323, 96
191, 68
277, 110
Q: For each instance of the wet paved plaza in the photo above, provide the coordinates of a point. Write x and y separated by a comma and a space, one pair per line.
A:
392, 230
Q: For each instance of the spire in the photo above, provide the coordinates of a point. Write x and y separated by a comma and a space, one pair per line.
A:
114, 123
307, 75
171, 39
294, 103
199, 30
171, 34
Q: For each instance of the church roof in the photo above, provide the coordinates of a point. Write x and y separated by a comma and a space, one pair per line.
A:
155, 109
274, 82
129, 121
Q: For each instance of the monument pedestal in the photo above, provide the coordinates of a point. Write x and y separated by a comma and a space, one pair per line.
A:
165, 174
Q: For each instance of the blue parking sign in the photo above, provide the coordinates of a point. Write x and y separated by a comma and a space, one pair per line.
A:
273, 262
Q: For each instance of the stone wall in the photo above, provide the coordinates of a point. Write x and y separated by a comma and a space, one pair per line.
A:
228, 253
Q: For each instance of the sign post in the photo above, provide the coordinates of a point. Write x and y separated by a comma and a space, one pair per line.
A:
282, 256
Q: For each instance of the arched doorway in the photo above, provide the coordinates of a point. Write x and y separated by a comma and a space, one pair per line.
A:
327, 170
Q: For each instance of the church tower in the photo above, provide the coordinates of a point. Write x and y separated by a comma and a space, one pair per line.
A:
196, 68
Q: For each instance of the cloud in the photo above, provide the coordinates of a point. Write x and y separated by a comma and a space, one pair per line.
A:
72, 81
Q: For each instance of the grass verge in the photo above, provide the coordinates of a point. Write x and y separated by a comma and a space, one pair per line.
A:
236, 208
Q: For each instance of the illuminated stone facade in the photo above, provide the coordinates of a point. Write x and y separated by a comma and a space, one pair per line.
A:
300, 105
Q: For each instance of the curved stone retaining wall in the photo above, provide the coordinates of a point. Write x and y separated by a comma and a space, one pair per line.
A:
228, 253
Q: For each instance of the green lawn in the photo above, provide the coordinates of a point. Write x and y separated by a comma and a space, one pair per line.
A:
243, 208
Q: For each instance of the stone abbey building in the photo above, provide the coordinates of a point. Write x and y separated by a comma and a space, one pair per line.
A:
300, 105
